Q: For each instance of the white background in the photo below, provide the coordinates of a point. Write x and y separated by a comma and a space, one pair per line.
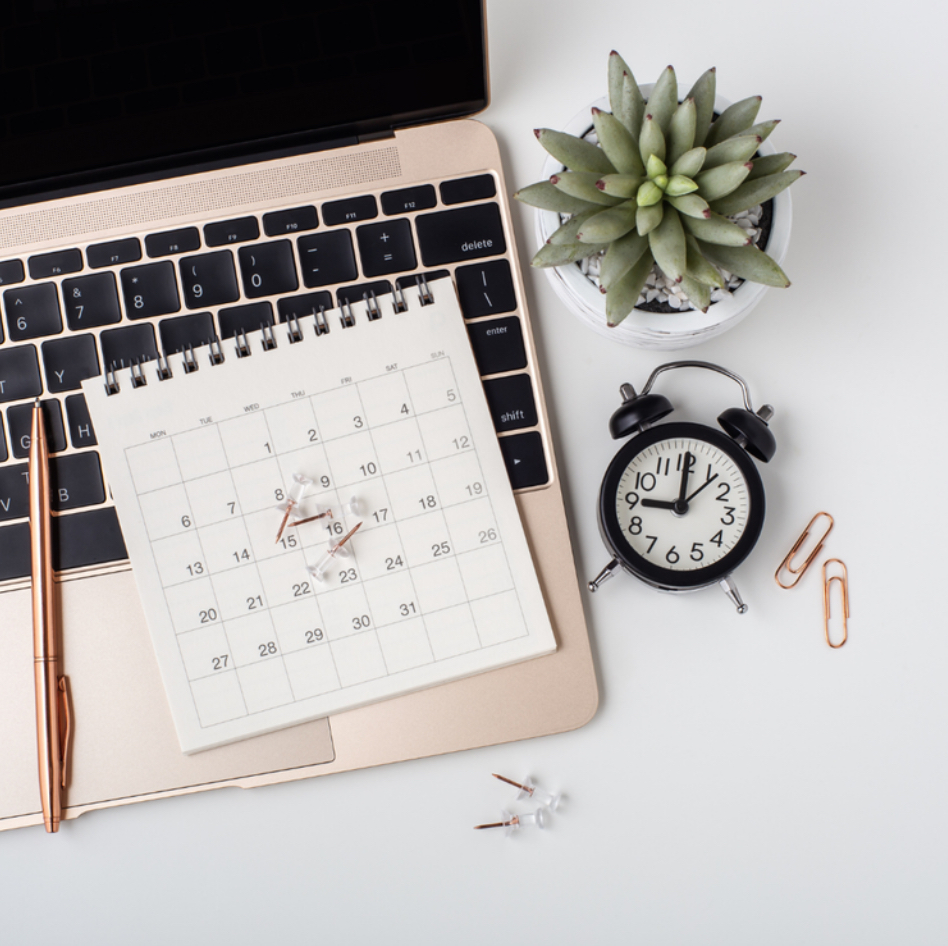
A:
741, 783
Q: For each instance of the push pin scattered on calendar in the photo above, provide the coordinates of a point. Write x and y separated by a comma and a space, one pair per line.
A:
534, 792
338, 550
322, 512
300, 484
352, 508
513, 823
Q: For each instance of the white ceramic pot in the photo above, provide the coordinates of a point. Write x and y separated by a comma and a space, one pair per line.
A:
657, 330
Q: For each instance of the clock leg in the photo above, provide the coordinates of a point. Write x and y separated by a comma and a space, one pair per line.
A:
730, 589
604, 575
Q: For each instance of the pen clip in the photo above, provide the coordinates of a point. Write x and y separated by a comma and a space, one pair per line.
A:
65, 731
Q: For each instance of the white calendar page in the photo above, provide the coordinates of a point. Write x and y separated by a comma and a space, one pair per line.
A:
387, 419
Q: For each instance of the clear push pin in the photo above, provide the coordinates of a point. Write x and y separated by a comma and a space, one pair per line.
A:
513, 823
337, 550
529, 790
295, 494
352, 508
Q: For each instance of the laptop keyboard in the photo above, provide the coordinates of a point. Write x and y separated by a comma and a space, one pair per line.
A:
71, 314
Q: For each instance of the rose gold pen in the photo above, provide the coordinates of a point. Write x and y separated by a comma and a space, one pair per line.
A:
52, 711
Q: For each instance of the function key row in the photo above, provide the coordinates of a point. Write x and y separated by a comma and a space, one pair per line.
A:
247, 229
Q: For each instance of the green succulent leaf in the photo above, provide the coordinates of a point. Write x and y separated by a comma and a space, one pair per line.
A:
698, 267
747, 262
691, 205
716, 229
552, 254
667, 243
617, 69
664, 98
648, 218
703, 92
698, 293
614, 139
622, 296
752, 193
763, 129
633, 105
649, 194
582, 184
576, 153
609, 225
720, 181
734, 120
654, 166
620, 185
652, 140
738, 148
678, 185
771, 164
545, 196
567, 232
681, 130
690, 163
621, 256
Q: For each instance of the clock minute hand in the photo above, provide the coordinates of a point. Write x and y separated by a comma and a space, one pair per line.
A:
707, 482
685, 473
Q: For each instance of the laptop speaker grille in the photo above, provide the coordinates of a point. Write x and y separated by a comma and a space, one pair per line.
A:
67, 221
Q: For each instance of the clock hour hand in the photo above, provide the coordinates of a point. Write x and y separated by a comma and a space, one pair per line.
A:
680, 505
659, 504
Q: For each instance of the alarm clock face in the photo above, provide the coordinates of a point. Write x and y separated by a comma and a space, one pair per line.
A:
682, 505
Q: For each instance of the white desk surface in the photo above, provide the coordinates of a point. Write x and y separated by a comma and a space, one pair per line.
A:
742, 783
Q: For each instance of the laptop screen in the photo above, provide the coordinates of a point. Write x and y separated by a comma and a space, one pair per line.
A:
94, 88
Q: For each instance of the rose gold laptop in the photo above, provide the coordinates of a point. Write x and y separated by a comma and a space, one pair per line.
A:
143, 135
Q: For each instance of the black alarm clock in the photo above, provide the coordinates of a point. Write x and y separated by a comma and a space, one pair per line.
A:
682, 504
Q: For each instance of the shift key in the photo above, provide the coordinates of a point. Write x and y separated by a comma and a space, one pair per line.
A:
453, 236
510, 401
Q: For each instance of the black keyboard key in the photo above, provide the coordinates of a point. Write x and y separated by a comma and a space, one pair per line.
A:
20, 418
510, 401
75, 481
468, 188
297, 220
231, 231
525, 459
485, 289
309, 303
209, 279
91, 301
327, 258
498, 345
408, 199
186, 331
87, 538
245, 318
268, 269
14, 491
386, 248
19, 374
3, 442
81, 431
11, 271
170, 242
127, 346
453, 236
69, 361
150, 290
115, 253
55, 264
32, 311
15, 551
362, 292
350, 210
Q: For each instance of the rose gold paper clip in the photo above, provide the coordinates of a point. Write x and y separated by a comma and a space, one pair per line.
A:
843, 582
788, 565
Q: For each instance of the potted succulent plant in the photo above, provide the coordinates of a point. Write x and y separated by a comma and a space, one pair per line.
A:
664, 195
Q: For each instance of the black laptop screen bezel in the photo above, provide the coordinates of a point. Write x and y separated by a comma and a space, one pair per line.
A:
413, 76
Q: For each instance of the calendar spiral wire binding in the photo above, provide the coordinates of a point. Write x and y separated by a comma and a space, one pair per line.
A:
268, 339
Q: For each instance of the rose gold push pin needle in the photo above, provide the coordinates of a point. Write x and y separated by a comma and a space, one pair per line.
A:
300, 485
319, 515
338, 546
513, 823
529, 790
318, 571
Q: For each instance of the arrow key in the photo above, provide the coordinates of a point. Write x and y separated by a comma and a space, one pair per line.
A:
525, 459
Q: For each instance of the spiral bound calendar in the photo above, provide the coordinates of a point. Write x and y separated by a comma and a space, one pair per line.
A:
321, 523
